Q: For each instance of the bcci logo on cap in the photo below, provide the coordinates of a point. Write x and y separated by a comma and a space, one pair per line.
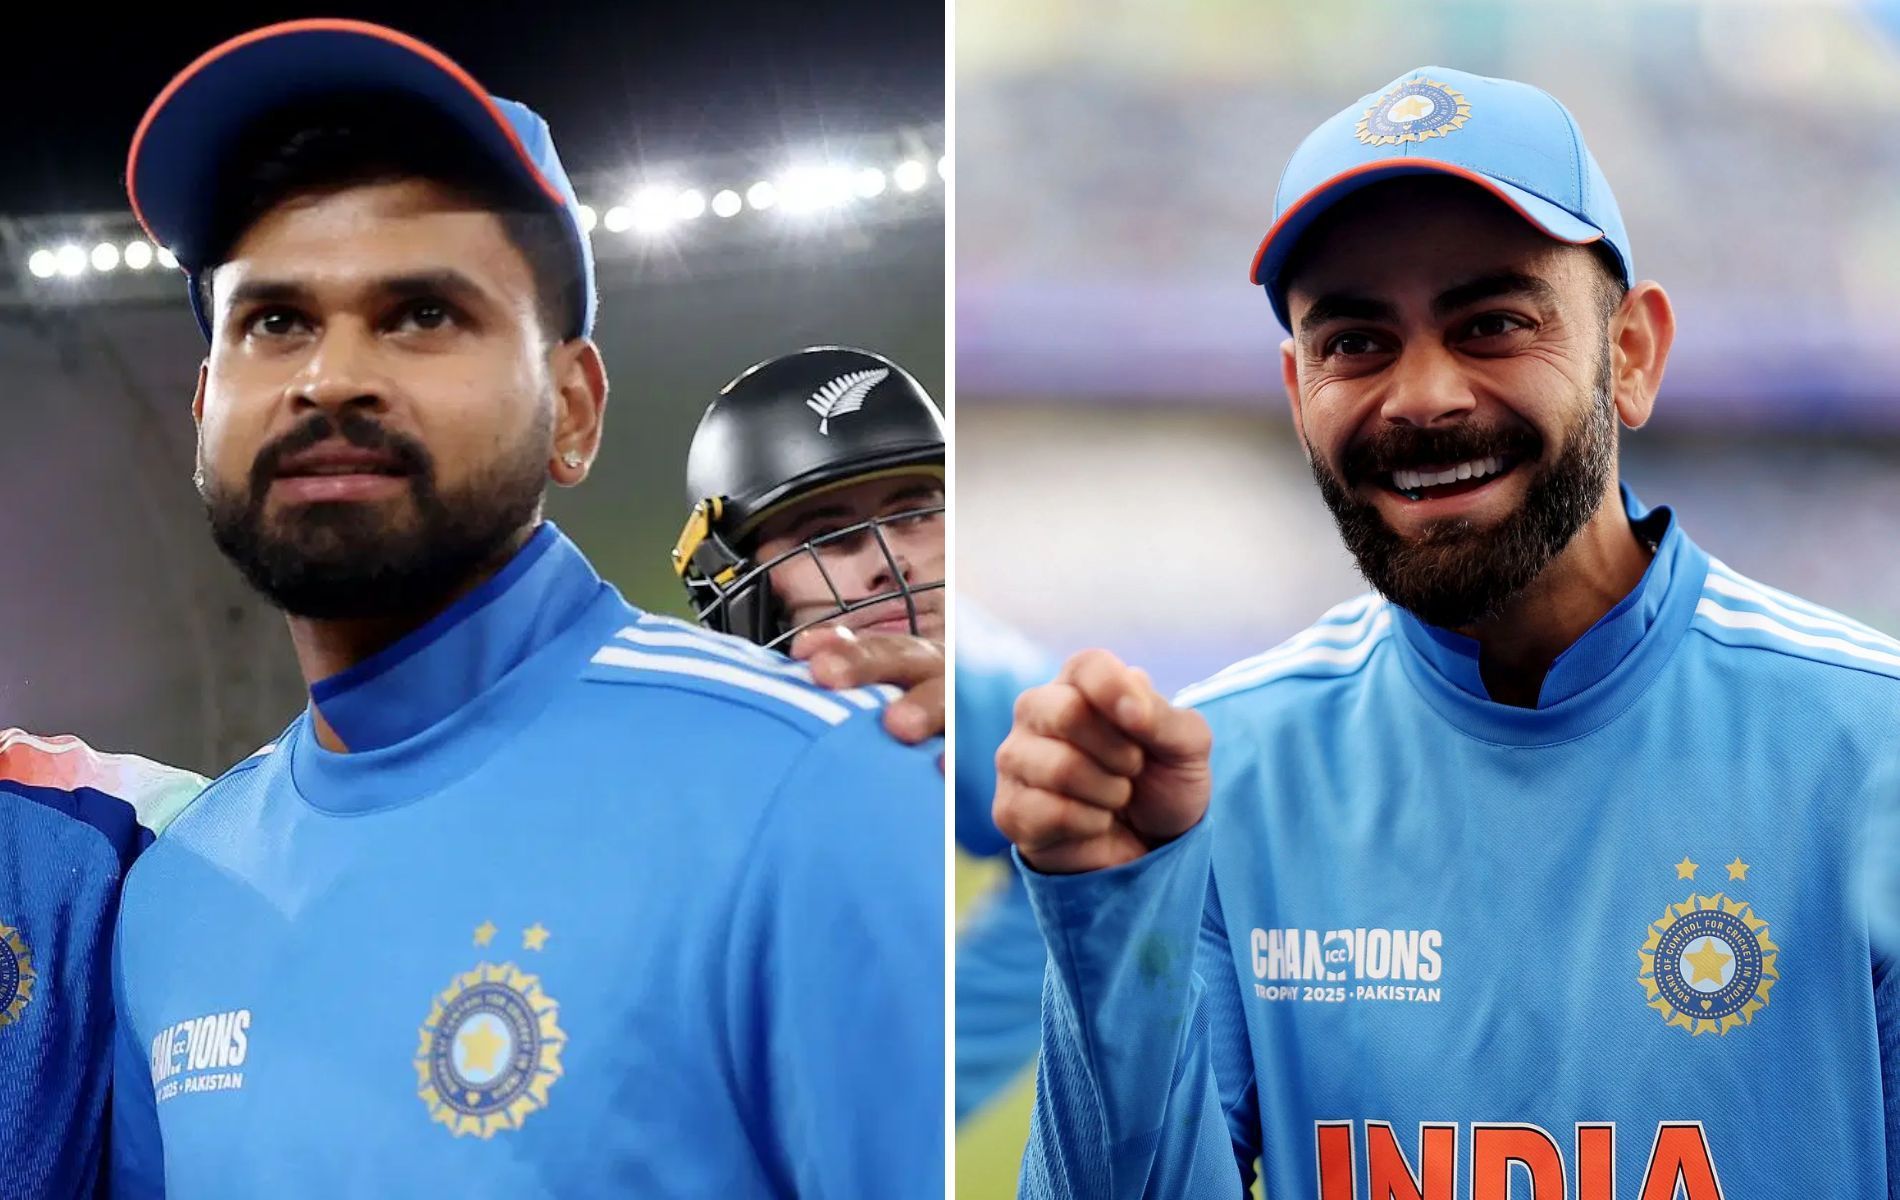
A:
1415, 110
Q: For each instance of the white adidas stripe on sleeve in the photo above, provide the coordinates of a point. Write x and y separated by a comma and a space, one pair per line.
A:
745, 653
1756, 622
1808, 617
1334, 633
797, 695
733, 642
1294, 656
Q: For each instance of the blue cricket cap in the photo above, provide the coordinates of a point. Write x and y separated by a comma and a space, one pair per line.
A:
201, 117
1511, 139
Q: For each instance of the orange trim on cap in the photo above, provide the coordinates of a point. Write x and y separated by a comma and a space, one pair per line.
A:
1437, 166
325, 25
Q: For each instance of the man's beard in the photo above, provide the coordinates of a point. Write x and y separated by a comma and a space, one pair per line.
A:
342, 560
1457, 572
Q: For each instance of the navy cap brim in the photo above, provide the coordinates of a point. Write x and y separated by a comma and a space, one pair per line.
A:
202, 115
1278, 245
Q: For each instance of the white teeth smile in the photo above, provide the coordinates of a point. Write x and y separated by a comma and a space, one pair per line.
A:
1412, 481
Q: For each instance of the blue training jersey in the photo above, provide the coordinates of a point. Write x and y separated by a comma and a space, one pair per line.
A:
600, 904
1429, 946
1000, 957
995, 664
71, 821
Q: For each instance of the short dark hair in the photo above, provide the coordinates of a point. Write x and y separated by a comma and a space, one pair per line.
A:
1610, 288
369, 139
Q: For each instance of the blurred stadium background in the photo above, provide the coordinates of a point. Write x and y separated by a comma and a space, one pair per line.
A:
1126, 472
762, 180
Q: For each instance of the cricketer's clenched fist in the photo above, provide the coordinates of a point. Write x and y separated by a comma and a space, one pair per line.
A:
1099, 768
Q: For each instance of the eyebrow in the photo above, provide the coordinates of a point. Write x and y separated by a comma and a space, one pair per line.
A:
446, 282
1347, 306
915, 491
1344, 306
1490, 287
812, 516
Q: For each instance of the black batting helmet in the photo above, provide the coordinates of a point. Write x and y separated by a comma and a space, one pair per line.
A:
784, 430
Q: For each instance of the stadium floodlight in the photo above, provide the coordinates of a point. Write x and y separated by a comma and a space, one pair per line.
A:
834, 187
813, 189
807, 184
652, 209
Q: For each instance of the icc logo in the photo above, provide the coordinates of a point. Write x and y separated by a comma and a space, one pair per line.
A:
1413, 111
1337, 952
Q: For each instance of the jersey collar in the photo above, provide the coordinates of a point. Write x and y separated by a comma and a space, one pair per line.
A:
1622, 649
434, 707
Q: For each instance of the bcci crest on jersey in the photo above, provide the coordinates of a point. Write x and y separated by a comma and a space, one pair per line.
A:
16, 975
491, 1049
1708, 964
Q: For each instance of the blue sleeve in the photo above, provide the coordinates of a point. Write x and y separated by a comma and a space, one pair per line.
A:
138, 1159
1000, 960
985, 707
1880, 882
1000, 954
1143, 1090
837, 981
994, 666
1887, 1018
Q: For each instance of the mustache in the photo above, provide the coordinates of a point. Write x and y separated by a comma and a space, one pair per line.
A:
1409, 447
355, 428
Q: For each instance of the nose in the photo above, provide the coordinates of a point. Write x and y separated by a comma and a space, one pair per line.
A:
340, 373
1427, 387
891, 565
866, 562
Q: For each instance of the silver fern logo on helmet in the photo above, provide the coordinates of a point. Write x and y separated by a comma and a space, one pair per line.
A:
844, 395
